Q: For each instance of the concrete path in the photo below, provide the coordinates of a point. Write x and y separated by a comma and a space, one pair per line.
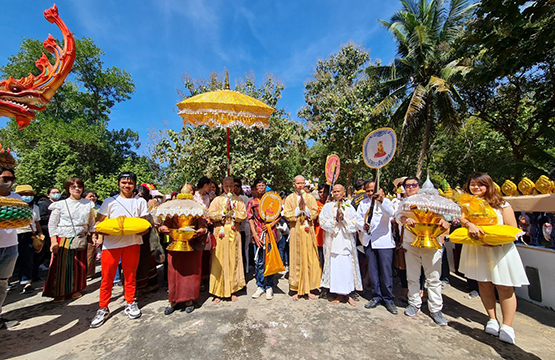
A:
262, 329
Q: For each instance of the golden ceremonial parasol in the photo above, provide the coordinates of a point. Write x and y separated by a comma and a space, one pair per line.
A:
225, 108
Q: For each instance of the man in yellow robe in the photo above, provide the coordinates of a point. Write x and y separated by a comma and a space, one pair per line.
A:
301, 210
227, 211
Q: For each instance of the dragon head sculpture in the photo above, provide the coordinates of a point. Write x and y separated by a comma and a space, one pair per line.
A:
24, 97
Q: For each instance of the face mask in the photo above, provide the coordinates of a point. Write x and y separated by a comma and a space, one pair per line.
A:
28, 198
6, 186
56, 196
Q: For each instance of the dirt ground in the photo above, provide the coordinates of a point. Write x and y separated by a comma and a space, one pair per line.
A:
276, 329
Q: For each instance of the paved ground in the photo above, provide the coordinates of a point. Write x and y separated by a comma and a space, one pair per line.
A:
277, 329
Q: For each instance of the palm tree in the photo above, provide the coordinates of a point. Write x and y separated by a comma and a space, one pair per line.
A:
419, 82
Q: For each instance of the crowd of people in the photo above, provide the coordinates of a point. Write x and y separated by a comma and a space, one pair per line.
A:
332, 246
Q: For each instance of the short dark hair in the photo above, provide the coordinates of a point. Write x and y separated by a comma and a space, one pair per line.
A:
50, 190
2, 169
144, 191
259, 181
237, 180
74, 181
412, 178
203, 181
324, 187
128, 175
360, 184
87, 192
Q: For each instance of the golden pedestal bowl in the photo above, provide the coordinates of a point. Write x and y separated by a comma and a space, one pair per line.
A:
427, 229
180, 239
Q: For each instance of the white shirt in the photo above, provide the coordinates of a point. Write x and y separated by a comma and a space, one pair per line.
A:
32, 227
82, 214
8, 237
117, 206
339, 233
380, 226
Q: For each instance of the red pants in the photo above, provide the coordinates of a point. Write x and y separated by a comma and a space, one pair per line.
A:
109, 261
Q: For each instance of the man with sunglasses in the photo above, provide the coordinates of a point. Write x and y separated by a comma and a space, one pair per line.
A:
417, 258
8, 239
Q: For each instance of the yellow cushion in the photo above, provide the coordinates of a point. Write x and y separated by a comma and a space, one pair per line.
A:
123, 226
493, 235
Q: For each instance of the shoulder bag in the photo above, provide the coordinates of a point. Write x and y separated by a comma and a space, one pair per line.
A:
79, 241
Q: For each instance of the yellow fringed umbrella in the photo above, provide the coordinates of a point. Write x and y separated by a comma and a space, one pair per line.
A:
225, 108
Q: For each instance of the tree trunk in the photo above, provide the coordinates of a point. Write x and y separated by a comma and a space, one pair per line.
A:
425, 138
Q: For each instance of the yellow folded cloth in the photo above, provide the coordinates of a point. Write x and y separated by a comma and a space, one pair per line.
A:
493, 235
123, 226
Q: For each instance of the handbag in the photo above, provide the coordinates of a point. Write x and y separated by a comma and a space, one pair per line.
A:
79, 241
272, 260
38, 242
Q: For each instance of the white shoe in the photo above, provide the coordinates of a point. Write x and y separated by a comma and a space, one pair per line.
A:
492, 327
269, 294
258, 293
132, 310
507, 334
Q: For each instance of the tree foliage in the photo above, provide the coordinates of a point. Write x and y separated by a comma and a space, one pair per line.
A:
340, 99
70, 137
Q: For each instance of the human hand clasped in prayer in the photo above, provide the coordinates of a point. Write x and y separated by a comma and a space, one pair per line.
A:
302, 204
339, 217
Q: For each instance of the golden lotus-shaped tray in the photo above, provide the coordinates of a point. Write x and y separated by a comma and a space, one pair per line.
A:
426, 230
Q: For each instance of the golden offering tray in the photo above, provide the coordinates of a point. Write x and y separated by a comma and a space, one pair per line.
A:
180, 239
426, 230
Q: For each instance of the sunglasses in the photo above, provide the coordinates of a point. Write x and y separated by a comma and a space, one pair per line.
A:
75, 187
7, 178
411, 185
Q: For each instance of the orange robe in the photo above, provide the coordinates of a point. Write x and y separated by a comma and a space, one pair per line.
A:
305, 273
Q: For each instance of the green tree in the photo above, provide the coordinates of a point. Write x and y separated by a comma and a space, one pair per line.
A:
340, 98
70, 137
511, 45
420, 80
200, 151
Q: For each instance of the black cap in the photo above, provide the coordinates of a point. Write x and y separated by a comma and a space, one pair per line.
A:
128, 175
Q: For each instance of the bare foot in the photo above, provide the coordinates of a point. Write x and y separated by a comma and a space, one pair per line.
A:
296, 297
216, 300
351, 301
335, 301
234, 298
312, 296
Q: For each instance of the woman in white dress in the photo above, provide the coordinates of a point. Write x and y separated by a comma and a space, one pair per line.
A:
494, 267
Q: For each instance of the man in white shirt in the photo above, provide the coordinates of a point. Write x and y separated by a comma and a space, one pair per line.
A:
8, 241
124, 247
374, 223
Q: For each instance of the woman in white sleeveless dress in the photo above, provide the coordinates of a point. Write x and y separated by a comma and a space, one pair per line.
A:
494, 267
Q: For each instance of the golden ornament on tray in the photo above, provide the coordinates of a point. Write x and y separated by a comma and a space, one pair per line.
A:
509, 188
544, 185
526, 186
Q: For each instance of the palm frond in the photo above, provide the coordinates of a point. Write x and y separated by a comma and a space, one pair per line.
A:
416, 105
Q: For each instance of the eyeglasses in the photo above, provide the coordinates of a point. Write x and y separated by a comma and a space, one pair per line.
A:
411, 185
7, 178
75, 187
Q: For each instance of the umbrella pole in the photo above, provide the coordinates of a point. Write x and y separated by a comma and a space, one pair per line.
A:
228, 160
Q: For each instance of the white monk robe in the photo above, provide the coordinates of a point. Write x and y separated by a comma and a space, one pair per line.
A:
341, 270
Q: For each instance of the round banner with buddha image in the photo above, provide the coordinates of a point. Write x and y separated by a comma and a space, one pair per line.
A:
270, 206
379, 147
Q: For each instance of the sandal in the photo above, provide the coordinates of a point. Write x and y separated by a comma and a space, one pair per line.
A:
59, 299
28, 289
76, 296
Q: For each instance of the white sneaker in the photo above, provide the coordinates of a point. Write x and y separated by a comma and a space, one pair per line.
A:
258, 293
269, 294
100, 317
132, 310
507, 334
492, 327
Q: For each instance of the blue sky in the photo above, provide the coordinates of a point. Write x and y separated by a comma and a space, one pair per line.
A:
158, 41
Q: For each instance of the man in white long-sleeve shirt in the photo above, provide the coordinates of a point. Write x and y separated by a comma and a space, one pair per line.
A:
373, 221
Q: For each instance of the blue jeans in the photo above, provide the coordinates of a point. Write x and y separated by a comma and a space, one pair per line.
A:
8, 257
283, 249
262, 282
380, 270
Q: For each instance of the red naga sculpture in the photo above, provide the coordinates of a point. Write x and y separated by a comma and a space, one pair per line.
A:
24, 97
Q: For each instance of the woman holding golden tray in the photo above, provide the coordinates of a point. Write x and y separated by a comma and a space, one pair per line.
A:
184, 221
